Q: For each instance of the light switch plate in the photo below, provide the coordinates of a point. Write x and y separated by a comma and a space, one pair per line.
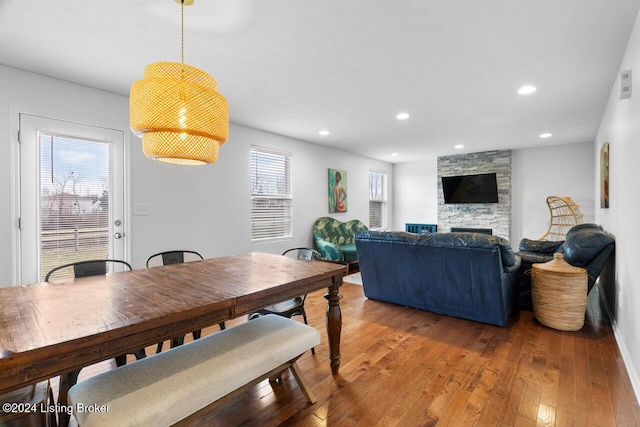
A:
141, 209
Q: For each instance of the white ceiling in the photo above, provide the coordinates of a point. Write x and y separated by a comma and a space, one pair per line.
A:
295, 67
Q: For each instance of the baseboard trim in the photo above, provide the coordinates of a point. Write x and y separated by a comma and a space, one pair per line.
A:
626, 357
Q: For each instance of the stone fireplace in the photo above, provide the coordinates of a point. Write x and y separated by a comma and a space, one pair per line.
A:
494, 216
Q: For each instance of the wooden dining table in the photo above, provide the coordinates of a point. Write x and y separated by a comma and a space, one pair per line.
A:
48, 329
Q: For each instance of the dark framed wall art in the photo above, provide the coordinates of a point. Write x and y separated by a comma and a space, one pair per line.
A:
604, 176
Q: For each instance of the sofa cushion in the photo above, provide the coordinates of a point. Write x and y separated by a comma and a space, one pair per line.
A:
472, 240
329, 251
539, 246
349, 252
583, 244
389, 236
534, 258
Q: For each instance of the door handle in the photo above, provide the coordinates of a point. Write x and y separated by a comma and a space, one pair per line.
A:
118, 235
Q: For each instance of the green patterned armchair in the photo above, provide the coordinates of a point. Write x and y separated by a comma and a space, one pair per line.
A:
334, 239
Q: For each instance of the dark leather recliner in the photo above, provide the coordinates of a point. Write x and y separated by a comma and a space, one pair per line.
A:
585, 245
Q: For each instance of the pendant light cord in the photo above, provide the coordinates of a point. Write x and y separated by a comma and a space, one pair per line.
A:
182, 9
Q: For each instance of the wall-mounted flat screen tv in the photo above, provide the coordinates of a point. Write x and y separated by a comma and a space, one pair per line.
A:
480, 188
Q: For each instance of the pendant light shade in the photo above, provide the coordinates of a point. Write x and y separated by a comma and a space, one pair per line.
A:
178, 112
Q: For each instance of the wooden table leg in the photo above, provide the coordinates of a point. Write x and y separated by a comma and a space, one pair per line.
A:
334, 324
67, 381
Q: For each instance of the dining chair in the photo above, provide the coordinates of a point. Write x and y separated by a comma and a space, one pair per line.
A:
294, 306
87, 268
177, 257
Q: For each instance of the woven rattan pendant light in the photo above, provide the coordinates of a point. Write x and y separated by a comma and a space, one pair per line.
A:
178, 112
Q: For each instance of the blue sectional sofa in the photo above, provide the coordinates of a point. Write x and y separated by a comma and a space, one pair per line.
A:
467, 275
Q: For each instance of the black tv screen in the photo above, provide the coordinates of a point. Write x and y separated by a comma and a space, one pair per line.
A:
480, 188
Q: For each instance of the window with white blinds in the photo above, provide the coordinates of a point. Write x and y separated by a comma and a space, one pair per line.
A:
377, 199
271, 199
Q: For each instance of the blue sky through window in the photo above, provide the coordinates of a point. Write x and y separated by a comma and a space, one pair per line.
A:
73, 165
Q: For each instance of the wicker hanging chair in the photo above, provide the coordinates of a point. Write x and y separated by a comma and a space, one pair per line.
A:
564, 215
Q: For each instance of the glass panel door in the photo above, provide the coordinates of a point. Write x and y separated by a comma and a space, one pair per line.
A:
71, 195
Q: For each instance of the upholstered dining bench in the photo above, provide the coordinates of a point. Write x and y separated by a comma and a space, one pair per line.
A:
168, 387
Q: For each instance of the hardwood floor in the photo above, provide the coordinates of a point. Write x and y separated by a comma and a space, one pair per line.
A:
405, 367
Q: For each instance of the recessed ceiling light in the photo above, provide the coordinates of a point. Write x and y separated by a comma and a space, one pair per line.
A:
394, 154
323, 132
402, 116
545, 135
458, 147
527, 89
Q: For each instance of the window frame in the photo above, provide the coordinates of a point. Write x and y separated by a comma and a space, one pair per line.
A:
279, 196
381, 200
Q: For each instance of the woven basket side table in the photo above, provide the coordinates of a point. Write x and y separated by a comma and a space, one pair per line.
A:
559, 294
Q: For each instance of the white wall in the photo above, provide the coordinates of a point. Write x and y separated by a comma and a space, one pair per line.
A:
207, 208
620, 127
201, 208
415, 193
563, 170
